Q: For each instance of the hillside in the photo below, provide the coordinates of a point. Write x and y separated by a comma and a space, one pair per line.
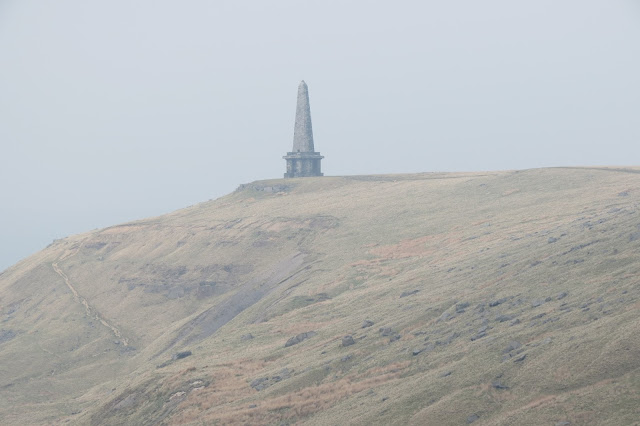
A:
493, 298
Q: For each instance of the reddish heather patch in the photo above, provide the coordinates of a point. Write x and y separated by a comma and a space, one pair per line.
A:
408, 248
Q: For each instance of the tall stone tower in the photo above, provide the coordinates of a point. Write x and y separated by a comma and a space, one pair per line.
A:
303, 161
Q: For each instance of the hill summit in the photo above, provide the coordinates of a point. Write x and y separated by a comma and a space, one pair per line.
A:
492, 298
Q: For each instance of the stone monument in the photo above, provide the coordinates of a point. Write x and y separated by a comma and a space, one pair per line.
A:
303, 161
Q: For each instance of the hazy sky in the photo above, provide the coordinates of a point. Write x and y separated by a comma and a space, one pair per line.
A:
121, 109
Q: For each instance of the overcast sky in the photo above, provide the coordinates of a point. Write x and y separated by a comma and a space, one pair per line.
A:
117, 110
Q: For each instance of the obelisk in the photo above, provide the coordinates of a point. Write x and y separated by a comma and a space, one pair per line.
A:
303, 161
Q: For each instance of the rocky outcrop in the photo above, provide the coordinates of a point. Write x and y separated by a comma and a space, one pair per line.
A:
299, 338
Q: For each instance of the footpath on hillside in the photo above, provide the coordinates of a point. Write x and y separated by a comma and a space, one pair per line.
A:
90, 311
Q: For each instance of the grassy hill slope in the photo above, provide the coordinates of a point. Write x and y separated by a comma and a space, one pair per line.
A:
492, 298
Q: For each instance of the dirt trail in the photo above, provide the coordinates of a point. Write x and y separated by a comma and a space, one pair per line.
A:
90, 311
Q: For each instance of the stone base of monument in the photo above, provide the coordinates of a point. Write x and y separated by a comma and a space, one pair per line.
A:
303, 164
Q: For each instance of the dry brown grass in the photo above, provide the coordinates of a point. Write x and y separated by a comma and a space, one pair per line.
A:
291, 406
